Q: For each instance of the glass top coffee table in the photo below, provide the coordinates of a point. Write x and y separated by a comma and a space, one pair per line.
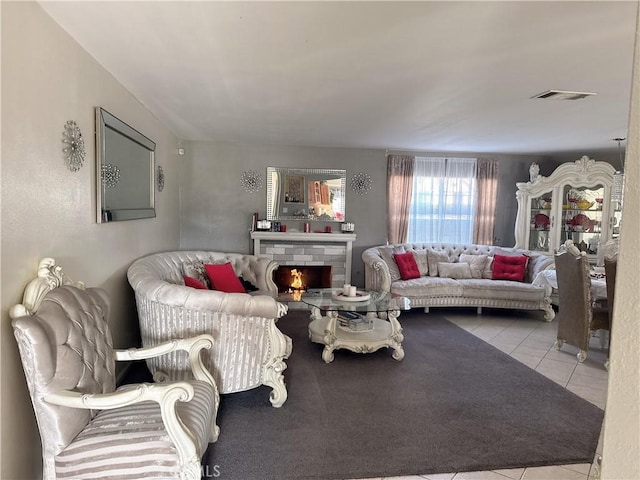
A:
362, 326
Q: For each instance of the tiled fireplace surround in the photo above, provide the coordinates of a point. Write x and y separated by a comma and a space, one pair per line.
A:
308, 249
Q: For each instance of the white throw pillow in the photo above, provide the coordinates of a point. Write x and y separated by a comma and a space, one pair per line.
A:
488, 268
476, 262
454, 270
434, 258
422, 260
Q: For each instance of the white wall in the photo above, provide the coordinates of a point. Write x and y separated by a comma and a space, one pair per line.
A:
621, 454
47, 210
215, 212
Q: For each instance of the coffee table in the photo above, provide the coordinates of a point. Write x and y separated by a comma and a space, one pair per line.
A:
382, 309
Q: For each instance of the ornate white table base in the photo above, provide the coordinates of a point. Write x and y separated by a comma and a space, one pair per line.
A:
385, 333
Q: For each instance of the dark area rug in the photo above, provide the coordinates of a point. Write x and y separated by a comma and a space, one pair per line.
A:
453, 404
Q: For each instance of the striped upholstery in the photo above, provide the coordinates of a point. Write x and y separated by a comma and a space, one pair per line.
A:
248, 349
132, 443
241, 343
65, 346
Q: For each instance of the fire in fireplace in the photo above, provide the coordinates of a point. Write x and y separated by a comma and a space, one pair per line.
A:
291, 278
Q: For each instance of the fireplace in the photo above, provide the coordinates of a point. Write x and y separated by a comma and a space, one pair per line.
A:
291, 249
302, 277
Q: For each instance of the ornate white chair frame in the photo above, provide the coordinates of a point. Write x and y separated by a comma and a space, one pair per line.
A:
51, 277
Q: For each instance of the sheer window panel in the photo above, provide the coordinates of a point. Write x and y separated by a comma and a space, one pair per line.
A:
443, 202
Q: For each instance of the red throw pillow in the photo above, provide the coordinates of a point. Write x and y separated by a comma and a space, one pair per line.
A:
509, 267
194, 283
407, 265
223, 278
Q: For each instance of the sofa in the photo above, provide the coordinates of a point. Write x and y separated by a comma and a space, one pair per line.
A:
249, 350
455, 285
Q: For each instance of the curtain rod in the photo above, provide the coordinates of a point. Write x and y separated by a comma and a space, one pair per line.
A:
419, 153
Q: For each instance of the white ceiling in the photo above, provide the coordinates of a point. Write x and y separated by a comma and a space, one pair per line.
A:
429, 76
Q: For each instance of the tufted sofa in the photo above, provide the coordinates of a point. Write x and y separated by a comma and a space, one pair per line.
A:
249, 350
435, 291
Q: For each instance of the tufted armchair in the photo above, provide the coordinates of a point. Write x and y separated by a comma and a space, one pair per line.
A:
249, 349
88, 428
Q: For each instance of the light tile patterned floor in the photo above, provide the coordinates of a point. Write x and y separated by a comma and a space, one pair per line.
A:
530, 340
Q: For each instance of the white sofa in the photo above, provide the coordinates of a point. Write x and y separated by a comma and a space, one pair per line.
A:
436, 291
249, 350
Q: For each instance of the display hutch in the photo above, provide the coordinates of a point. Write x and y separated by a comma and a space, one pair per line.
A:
574, 202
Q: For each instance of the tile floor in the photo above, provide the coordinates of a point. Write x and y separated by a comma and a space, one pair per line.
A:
527, 338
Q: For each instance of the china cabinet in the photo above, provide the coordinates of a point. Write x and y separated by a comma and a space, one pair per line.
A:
573, 203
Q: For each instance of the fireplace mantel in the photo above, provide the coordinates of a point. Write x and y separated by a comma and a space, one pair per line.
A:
303, 237
263, 242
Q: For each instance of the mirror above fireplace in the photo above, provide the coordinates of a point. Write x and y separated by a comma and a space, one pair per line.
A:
306, 194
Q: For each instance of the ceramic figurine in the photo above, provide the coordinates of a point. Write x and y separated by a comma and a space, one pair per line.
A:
534, 172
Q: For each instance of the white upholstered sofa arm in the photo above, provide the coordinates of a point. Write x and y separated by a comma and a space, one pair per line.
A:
377, 277
538, 264
258, 271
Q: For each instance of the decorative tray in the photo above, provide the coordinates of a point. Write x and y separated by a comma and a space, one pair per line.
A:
360, 296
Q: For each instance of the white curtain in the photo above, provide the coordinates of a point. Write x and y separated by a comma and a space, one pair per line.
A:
444, 200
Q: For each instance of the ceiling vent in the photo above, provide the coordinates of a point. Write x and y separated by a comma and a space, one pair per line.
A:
563, 95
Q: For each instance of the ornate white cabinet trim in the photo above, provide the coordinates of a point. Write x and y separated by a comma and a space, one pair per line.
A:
583, 173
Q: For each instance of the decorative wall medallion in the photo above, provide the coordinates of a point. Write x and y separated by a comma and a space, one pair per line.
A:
361, 183
251, 181
160, 178
110, 175
73, 148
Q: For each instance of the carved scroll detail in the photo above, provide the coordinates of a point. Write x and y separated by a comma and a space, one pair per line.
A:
50, 276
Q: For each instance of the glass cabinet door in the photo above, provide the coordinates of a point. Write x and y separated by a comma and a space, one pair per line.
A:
540, 217
574, 203
616, 217
582, 217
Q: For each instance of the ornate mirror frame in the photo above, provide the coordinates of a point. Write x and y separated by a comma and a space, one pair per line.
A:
125, 173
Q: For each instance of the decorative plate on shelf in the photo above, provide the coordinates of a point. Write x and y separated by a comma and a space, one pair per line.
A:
582, 221
540, 220
360, 296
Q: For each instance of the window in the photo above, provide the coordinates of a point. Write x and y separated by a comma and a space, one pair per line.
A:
443, 202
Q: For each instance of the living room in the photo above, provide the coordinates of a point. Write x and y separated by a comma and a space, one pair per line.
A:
49, 78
